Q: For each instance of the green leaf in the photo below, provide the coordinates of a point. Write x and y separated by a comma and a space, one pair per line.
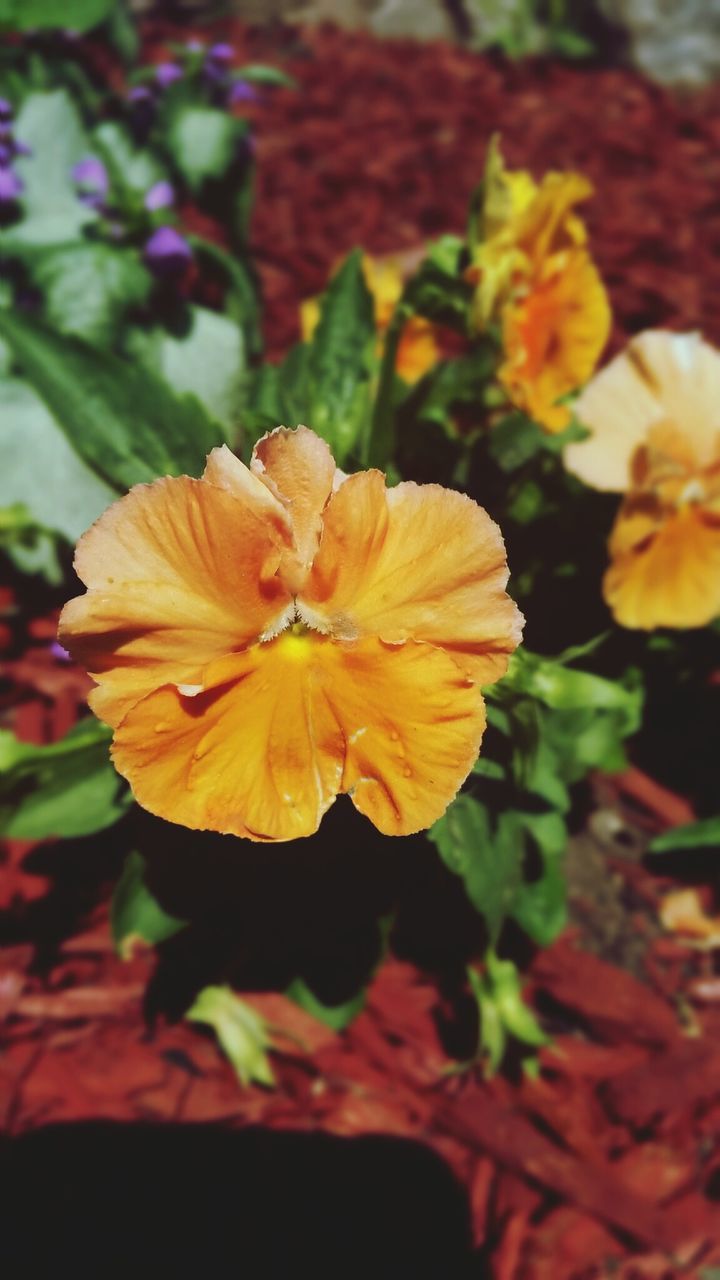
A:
67, 789
704, 834
207, 358
565, 689
335, 1016
540, 906
259, 73
135, 915
456, 383
514, 440
438, 290
488, 858
517, 1017
50, 124
340, 361
242, 302
123, 420
89, 287
72, 15
132, 169
29, 546
40, 469
203, 141
240, 1030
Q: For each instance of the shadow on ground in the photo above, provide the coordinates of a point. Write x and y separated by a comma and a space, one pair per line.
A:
103, 1199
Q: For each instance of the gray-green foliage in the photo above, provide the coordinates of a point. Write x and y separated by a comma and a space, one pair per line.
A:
124, 421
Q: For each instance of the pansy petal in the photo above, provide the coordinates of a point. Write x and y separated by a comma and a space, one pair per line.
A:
553, 340
412, 722
180, 573
414, 562
660, 377
282, 727
254, 755
664, 573
299, 470
226, 471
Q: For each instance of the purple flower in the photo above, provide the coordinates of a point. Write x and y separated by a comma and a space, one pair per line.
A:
6, 111
221, 53
6, 154
159, 196
166, 252
140, 94
60, 654
10, 186
91, 176
166, 73
240, 92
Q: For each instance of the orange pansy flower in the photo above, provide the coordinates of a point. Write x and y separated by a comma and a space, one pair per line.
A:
654, 419
418, 349
534, 275
266, 638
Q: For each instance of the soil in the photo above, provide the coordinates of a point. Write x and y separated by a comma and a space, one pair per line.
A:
605, 1163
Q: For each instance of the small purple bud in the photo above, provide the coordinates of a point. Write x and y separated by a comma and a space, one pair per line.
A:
159, 196
139, 94
221, 53
91, 176
10, 186
166, 252
21, 148
240, 92
6, 111
6, 154
195, 46
59, 653
166, 73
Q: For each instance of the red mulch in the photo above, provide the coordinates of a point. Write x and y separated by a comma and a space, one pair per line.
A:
383, 143
609, 1158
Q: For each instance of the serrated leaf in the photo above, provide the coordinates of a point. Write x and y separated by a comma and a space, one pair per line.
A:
67, 789
335, 1016
240, 1030
207, 358
704, 834
124, 421
135, 915
340, 361
51, 126
39, 467
88, 287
